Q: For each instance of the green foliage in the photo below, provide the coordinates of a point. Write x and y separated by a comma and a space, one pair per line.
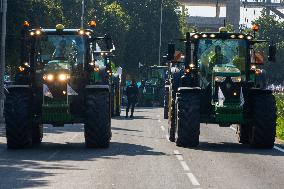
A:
280, 116
133, 25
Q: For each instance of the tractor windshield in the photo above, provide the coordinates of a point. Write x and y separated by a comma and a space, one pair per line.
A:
55, 52
224, 53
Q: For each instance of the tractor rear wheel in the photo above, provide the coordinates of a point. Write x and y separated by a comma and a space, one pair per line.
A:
37, 133
98, 120
263, 122
18, 116
188, 115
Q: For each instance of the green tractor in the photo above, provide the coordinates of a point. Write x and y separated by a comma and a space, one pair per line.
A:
218, 86
60, 82
153, 86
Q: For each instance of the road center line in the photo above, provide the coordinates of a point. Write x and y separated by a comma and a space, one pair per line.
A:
176, 152
179, 157
53, 154
233, 128
192, 179
167, 137
73, 137
184, 166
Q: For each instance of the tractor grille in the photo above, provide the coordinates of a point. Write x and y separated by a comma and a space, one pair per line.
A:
231, 90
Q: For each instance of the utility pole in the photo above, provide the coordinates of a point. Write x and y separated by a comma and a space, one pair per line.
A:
83, 12
2, 67
160, 41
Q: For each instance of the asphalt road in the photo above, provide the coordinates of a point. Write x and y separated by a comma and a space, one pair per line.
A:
140, 157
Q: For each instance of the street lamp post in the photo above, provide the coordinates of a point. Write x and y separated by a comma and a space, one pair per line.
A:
2, 66
83, 12
160, 40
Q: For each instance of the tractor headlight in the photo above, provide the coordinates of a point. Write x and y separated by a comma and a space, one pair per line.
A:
236, 79
220, 78
63, 77
48, 77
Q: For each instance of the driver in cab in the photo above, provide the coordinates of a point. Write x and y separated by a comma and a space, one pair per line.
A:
60, 51
218, 58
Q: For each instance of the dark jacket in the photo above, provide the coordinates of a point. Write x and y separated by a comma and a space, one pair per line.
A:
132, 93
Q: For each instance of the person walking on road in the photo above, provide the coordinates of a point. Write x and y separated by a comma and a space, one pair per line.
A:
132, 97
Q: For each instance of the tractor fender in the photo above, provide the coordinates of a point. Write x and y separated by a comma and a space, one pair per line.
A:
11, 88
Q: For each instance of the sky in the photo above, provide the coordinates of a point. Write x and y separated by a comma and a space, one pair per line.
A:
211, 11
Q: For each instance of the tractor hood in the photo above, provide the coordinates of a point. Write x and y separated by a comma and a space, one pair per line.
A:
226, 71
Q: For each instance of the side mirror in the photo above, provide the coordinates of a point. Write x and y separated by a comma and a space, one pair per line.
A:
108, 41
272, 53
171, 51
256, 57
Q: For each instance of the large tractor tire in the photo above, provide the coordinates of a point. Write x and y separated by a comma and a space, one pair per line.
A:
263, 118
166, 103
37, 133
172, 116
98, 120
188, 117
18, 116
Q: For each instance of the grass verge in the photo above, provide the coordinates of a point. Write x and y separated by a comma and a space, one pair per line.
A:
280, 116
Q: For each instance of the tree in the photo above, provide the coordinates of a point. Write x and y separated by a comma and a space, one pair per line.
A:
272, 30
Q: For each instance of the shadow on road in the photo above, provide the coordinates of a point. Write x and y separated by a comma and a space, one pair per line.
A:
123, 129
30, 167
127, 119
229, 147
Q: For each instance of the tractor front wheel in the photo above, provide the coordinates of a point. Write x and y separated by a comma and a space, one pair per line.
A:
37, 133
98, 120
263, 122
188, 115
18, 116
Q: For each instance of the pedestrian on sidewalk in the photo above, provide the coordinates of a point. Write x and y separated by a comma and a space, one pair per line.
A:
132, 97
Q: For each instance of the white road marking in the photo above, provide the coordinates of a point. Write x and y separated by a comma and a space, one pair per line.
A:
163, 128
176, 152
192, 179
159, 121
233, 128
184, 166
167, 137
53, 154
158, 115
279, 149
73, 137
179, 157
275, 147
